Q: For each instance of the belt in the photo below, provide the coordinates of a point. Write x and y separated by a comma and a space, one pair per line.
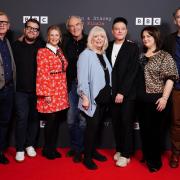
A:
57, 72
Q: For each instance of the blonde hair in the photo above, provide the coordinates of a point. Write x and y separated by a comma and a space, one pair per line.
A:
94, 31
54, 27
3, 14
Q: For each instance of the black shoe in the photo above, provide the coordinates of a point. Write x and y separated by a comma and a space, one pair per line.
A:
3, 159
154, 167
89, 163
48, 154
70, 153
77, 157
99, 157
57, 154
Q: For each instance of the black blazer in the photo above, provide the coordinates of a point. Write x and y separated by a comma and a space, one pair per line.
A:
125, 69
169, 44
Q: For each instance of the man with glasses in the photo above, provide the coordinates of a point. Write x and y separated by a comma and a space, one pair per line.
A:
172, 45
7, 77
74, 43
27, 123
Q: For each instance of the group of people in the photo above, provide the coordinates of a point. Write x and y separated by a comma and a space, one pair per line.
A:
78, 78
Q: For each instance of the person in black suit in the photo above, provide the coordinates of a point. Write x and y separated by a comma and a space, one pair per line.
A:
123, 55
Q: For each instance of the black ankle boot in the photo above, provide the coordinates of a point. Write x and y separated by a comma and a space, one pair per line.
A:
3, 159
89, 163
99, 157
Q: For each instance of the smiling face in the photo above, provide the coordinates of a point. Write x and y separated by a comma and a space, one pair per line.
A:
98, 40
4, 25
31, 31
148, 40
75, 27
54, 37
119, 31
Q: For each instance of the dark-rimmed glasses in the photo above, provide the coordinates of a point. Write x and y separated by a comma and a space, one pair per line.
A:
29, 28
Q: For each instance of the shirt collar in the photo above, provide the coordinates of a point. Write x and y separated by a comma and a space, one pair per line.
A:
52, 48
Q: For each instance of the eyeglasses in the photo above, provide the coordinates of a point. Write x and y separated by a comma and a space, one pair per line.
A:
29, 28
4, 23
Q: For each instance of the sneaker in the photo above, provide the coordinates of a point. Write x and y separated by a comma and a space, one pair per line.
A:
20, 156
117, 155
31, 151
122, 161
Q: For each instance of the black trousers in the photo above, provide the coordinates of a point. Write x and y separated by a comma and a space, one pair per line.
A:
51, 130
123, 116
6, 105
92, 127
151, 124
27, 123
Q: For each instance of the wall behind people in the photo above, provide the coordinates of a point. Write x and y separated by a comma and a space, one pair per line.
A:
139, 13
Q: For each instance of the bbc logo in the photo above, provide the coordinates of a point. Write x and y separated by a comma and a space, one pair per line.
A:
148, 21
41, 19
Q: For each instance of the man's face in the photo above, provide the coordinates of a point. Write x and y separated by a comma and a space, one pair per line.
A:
177, 19
119, 31
4, 25
75, 27
31, 31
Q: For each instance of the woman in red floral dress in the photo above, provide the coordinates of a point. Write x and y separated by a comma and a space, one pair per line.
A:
51, 89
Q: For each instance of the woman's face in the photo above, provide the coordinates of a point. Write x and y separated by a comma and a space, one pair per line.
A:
54, 37
98, 41
148, 40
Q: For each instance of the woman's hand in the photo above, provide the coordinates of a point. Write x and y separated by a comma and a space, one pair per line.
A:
161, 103
119, 98
85, 102
48, 99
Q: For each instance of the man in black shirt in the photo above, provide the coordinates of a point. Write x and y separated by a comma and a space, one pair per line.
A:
74, 43
27, 123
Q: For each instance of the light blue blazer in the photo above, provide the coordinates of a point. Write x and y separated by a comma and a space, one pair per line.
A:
91, 78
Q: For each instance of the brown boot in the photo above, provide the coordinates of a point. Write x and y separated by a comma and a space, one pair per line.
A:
174, 160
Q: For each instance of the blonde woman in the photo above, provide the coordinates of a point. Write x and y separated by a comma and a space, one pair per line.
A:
94, 89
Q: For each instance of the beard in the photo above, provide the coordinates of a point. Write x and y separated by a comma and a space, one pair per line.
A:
30, 39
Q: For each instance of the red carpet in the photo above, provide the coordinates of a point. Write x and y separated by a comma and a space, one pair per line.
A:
40, 168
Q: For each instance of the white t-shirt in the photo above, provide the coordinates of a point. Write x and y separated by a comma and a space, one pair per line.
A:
115, 51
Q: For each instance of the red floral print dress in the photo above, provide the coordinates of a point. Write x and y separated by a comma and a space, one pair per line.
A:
51, 81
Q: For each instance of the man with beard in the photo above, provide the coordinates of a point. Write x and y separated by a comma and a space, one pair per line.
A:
7, 77
27, 123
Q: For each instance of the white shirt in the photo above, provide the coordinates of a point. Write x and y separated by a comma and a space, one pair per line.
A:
115, 51
52, 48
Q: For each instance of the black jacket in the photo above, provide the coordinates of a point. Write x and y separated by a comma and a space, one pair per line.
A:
125, 70
169, 44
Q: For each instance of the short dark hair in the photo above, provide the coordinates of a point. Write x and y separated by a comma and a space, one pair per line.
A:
33, 21
155, 33
120, 19
176, 10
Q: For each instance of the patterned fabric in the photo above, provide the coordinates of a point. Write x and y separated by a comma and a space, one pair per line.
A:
51, 81
158, 69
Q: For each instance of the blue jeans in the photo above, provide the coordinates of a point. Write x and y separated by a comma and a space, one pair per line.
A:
6, 105
27, 124
76, 122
